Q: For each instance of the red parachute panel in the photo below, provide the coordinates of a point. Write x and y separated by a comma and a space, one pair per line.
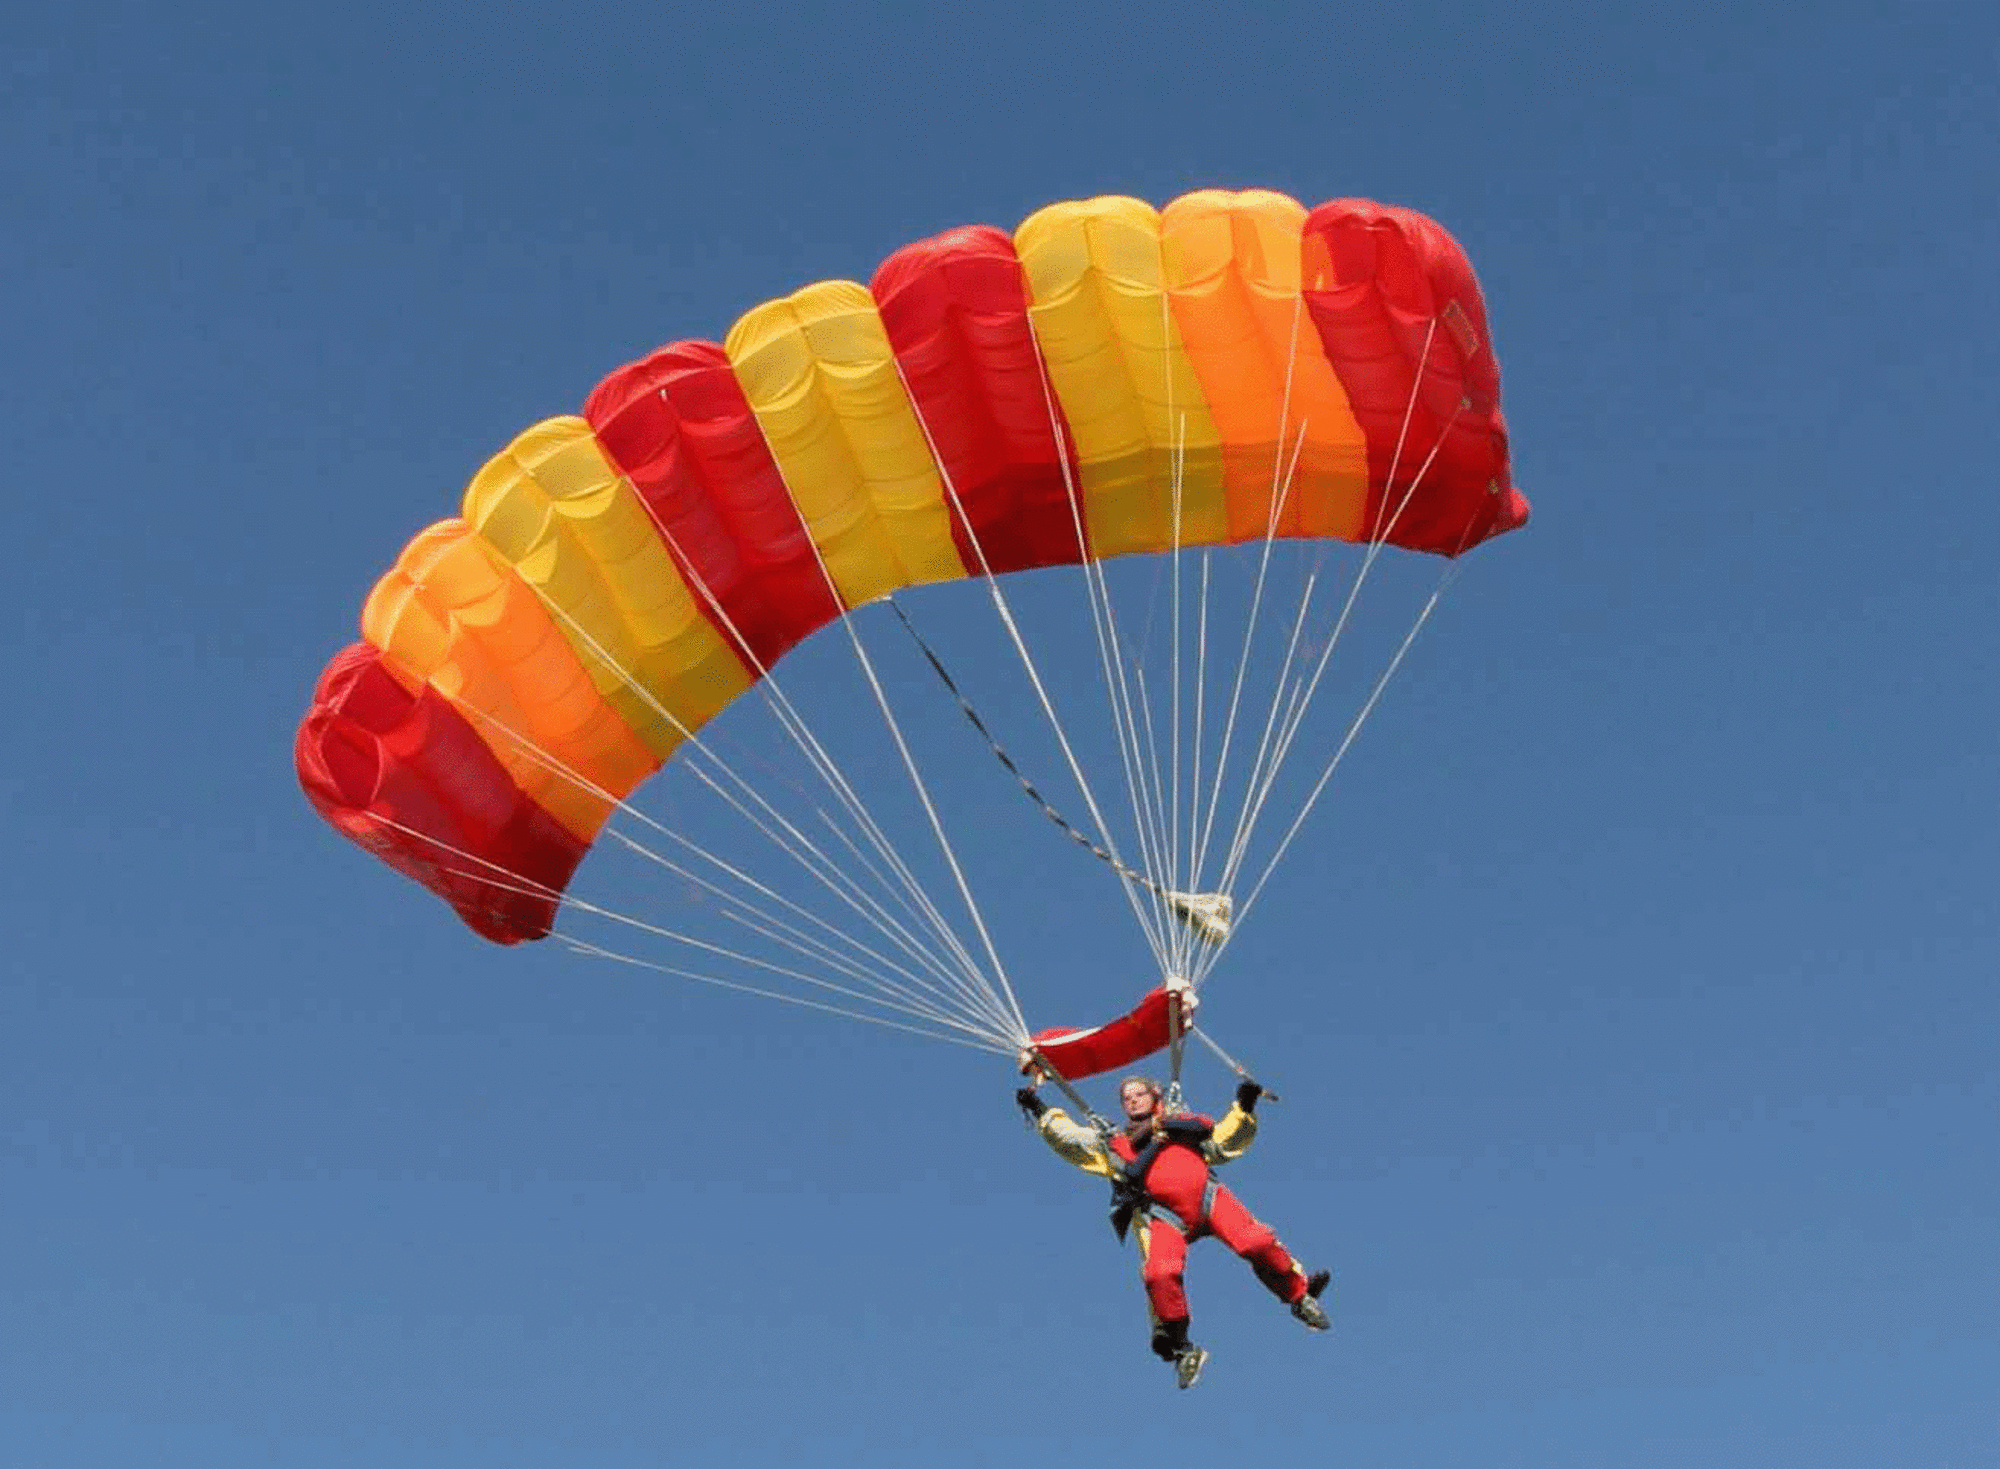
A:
1376, 278
956, 311
375, 758
678, 426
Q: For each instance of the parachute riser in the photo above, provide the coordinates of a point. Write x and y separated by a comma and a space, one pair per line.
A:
1040, 1065
1232, 1063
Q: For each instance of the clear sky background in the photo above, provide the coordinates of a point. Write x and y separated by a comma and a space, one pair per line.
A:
1633, 1002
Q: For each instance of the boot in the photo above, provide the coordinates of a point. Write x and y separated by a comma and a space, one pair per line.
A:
1188, 1362
1307, 1307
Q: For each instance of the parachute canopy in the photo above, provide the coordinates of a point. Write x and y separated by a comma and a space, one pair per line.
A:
988, 403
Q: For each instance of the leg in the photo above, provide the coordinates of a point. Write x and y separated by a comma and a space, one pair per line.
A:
1163, 1251
1163, 1265
1251, 1238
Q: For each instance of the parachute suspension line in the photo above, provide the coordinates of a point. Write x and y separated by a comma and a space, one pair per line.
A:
1296, 706
1157, 789
999, 972
1006, 615
1133, 716
1176, 874
828, 872
975, 995
800, 943
580, 946
1153, 803
1178, 936
1377, 537
1280, 492
790, 936
834, 874
1140, 752
484, 869
1352, 730
1278, 700
917, 902
863, 860
1283, 475
1295, 716
1119, 695
1182, 903
1177, 871
1117, 688
1183, 953
1156, 930
1005, 991
1000, 753
905, 887
856, 898
783, 933
994, 1039
1450, 574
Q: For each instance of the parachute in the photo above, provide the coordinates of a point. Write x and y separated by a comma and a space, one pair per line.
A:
1108, 381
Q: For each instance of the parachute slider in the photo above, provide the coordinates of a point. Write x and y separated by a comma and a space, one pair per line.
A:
1206, 914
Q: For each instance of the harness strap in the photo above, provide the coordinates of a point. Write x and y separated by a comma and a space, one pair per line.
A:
1129, 1199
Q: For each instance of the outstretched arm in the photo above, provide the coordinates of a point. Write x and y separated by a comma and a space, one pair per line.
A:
1238, 1128
1074, 1142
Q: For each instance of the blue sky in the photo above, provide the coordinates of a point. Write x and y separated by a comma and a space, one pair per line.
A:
1632, 1001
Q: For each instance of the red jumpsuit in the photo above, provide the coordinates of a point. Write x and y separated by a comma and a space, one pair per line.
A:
1177, 1201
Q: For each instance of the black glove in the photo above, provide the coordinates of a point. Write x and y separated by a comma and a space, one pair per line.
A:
1030, 1102
1247, 1092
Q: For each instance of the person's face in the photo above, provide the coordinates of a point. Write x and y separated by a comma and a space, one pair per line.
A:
1139, 1101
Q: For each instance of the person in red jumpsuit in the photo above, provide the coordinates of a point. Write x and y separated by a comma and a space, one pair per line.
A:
1160, 1168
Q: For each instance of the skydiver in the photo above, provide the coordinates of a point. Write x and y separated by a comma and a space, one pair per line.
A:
1161, 1181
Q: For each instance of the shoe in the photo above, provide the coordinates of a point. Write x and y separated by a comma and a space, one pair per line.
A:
1307, 1307
1188, 1363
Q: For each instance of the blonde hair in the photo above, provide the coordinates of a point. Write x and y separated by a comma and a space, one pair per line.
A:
1146, 1081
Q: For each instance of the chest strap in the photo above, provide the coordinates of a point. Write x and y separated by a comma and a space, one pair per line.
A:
1129, 1198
